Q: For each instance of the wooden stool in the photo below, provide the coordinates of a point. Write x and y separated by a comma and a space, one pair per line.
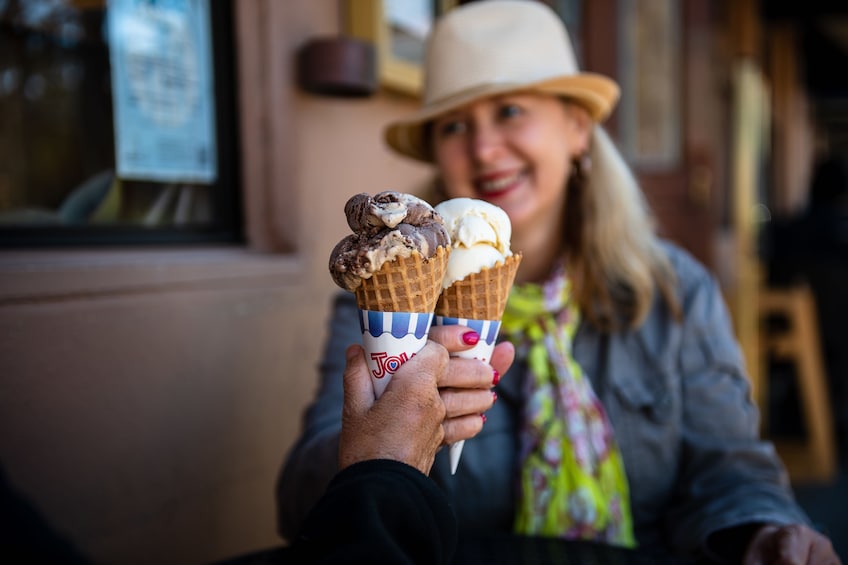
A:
813, 459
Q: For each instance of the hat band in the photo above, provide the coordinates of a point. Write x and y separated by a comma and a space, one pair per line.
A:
473, 92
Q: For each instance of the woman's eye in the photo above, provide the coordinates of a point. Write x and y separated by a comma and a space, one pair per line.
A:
509, 111
452, 127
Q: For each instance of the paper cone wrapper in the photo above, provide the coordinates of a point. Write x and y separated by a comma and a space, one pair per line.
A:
455, 453
406, 284
488, 332
390, 339
480, 296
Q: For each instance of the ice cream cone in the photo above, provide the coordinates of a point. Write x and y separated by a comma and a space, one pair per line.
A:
407, 284
394, 262
396, 309
480, 296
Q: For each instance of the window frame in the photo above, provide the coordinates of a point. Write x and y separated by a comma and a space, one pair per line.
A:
270, 255
227, 226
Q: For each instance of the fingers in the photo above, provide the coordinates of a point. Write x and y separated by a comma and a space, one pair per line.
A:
822, 552
802, 544
454, 338
425, 368
414, 386
503, 356
462, 374
358, 390
468, 373
465, 427
790, 544
462, 402
405, 423
432, 399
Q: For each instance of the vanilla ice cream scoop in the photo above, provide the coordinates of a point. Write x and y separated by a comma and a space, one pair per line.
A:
479, 233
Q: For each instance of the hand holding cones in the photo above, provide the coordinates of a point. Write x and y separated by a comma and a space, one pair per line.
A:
403, 263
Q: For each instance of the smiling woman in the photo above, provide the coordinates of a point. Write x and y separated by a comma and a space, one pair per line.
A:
115, 123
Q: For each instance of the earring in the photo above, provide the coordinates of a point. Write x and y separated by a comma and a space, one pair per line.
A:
581, 166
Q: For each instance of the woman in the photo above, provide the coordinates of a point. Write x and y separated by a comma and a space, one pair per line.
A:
627, 416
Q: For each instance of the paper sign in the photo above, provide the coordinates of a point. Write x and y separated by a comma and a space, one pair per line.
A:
163, 90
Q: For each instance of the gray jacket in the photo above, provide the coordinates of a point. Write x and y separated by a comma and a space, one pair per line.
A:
679, 402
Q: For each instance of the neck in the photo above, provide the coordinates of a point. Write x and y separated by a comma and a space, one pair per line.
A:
540, 250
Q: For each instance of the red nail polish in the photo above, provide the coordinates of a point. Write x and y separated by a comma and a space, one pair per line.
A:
484, 417
470, 338
496, 377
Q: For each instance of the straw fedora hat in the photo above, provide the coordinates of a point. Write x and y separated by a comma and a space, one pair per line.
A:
494, 47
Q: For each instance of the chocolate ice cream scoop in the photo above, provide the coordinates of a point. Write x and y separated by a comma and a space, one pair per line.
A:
386, 226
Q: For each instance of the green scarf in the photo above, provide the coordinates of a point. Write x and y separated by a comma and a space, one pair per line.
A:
573, 483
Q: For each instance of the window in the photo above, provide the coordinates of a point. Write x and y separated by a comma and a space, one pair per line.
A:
117, 122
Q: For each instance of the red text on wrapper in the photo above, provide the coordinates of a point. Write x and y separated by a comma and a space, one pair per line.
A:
387, 365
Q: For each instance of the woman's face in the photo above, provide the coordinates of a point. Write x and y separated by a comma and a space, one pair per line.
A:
514, 151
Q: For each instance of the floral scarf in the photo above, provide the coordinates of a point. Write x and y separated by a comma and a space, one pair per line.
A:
572, 480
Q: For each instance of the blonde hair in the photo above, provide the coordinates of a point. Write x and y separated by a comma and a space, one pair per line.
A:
614, 256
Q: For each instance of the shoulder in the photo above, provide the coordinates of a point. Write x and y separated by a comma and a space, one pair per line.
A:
686, 267
691, 276
701, 298
702, 302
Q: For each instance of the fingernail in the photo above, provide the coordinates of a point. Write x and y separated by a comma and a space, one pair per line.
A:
484, 417
496, 377
494, 396
470, 338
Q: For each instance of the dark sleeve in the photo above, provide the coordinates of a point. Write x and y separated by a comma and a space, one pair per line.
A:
26, 537
729, 476
313, 460
379, 511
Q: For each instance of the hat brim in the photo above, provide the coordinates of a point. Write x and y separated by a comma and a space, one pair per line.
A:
596, 93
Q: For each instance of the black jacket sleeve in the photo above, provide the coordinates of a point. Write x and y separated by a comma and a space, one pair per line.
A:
379, 511
26, 535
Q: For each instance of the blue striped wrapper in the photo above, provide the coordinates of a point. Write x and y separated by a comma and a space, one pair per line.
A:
390, 339
399, 324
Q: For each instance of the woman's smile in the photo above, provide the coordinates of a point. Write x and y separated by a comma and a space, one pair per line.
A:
493, 186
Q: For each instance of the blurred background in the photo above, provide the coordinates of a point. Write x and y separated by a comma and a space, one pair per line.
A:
172, 176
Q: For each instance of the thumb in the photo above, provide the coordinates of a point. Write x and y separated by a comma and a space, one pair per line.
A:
358, 390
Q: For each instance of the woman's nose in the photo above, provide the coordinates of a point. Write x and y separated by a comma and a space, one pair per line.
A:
486, 142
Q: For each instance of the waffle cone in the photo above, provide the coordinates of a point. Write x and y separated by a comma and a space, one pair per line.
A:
480, 296
407, 284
